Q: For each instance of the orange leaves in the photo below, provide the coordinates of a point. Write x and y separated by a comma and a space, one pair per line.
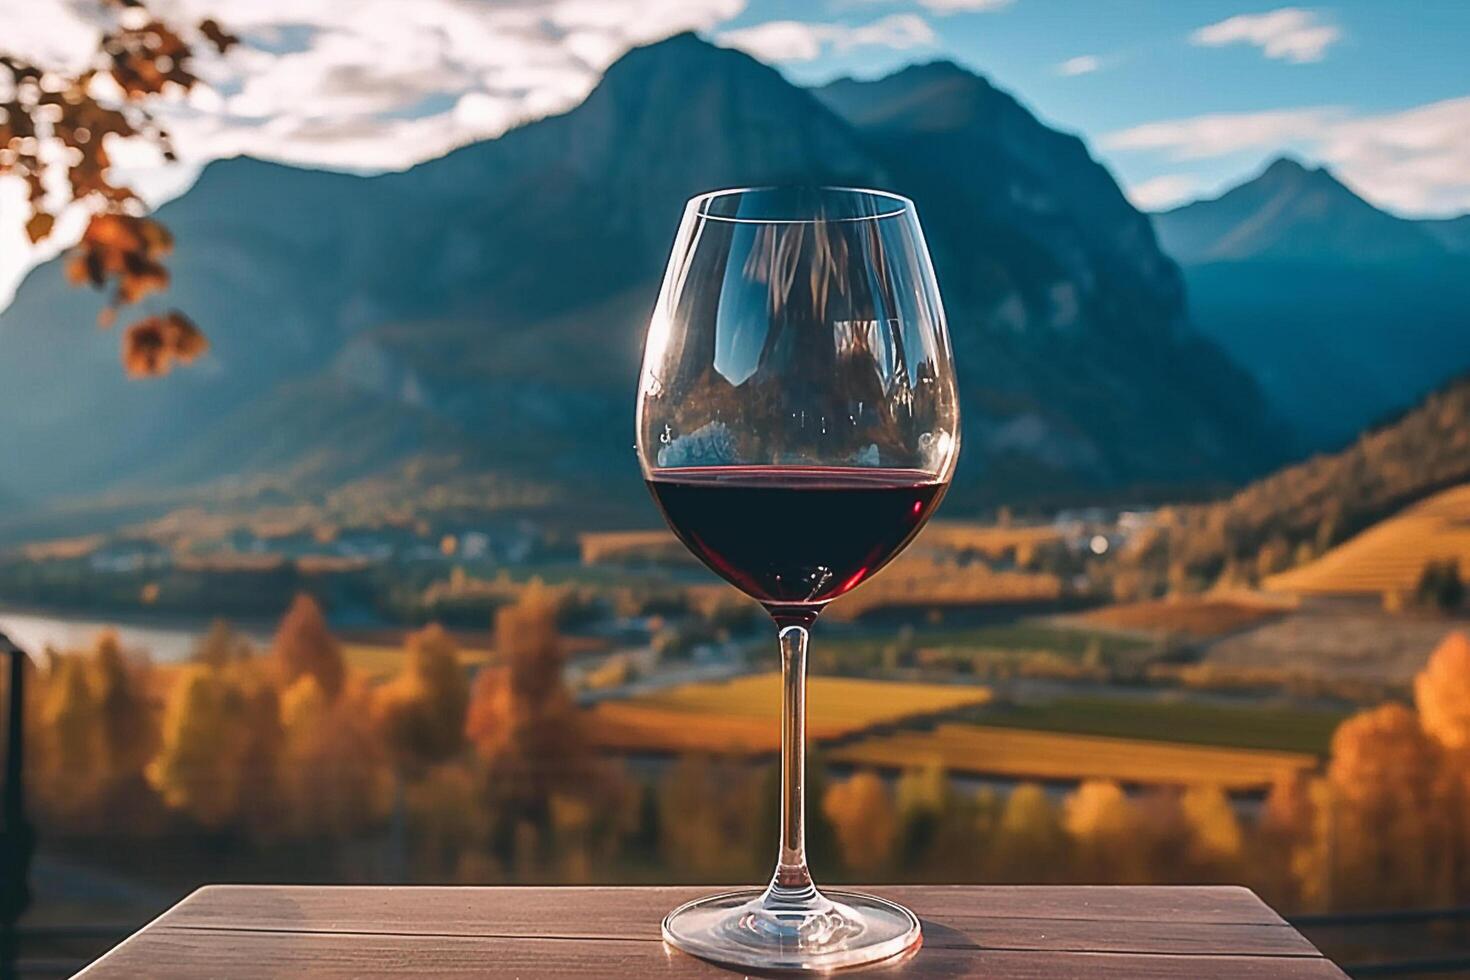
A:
41, 109
146, 60
153, 345
126, 249
216, 35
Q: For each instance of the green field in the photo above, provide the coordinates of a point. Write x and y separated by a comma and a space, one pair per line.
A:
1022, 637
1279, 727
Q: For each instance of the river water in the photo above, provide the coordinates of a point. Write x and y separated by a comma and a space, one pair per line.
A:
167, 642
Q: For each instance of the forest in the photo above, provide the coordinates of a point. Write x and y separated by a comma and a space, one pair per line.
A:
494, 774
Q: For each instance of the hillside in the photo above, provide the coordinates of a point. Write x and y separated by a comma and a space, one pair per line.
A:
490, 304
1300, 512
1088, 334
1390, 555
1318, 293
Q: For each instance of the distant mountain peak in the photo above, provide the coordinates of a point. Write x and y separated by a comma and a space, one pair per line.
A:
1290, 173
1292, 210
1287, 165
942, 68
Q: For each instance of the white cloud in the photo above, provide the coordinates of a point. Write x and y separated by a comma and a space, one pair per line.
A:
956, 6
1162, 192
1080, 65
359, 84
1289, 34
1415, 160
796, 40
941, 7
1218, 134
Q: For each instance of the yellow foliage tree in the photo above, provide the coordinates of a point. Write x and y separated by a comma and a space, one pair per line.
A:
421, 712
1442, 692
1104, 827
527, 729
221, 737
1288, 853
862, 815
1216, 836
331, 767
1029, 843
125, 714
448, 815
522, 718
304, 645
705, 817
72, 745
1389, 819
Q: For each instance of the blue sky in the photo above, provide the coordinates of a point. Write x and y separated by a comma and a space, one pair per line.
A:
1180, 99
1141, 61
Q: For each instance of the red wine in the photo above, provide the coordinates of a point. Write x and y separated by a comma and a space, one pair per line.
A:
794, 535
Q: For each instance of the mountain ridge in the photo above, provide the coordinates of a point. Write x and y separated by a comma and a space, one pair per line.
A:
490, 303
1295, 212
1344, 313
1300, 511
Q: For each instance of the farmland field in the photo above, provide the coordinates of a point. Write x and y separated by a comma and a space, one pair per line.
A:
1389, 556
1285, 727
1018, 754
920, 578
1194, 616
1021, 637
377, 661
742, 715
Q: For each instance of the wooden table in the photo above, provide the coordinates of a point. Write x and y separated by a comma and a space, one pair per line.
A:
994, 932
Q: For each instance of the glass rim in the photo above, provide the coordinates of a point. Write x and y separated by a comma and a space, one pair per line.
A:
898, 204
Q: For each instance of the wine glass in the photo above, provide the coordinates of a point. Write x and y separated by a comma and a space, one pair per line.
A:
797, 425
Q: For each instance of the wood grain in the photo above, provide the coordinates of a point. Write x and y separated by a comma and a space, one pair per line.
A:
970, 931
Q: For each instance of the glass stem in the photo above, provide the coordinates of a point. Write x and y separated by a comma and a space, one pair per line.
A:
791, 886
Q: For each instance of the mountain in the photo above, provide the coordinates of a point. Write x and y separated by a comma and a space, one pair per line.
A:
1299, 512
489, 305
1292, 213
1344, 313
1073, 335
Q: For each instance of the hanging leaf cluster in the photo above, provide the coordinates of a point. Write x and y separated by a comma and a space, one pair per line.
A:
54, 134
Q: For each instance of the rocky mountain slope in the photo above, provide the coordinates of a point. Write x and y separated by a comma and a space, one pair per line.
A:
490, 304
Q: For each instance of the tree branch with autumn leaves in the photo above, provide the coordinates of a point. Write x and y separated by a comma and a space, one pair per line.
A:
54, 133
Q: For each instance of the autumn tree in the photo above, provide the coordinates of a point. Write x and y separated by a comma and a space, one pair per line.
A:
523, 722
221, 741
1442, 692
1289, 857
1389, 820
125, 716
420, 718
705, 811
937, 824
57, 131
421, 712
862, 815
1105, 830
304, 645
72, 743
331, 766
1216, 838
1442, 695
1029, 842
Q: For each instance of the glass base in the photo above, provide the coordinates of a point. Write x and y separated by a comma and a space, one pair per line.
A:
758, 929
